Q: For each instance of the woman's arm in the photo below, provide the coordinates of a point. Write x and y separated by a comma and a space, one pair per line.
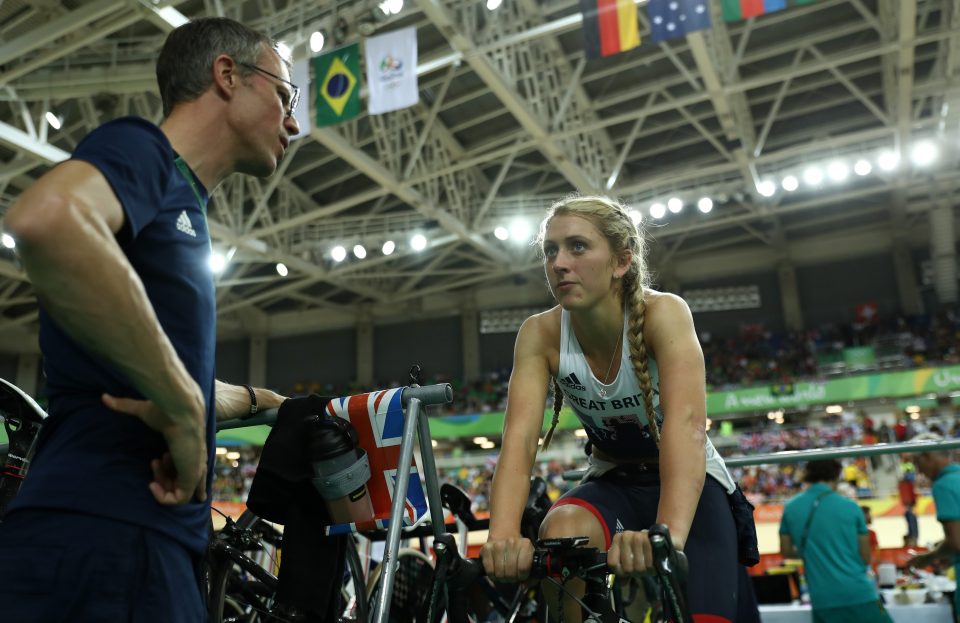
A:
673, 341
526, 396
523, 422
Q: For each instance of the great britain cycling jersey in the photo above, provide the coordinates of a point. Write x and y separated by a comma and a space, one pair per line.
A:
614, 415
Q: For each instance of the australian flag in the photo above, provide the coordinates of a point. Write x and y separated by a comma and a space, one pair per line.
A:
670, 19
378, 418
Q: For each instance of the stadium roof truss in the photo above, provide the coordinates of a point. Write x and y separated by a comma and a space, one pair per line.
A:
512, 116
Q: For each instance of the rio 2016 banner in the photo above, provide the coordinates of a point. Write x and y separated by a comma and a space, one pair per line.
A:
885, 385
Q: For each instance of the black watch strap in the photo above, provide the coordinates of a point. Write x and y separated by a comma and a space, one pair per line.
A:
253, 400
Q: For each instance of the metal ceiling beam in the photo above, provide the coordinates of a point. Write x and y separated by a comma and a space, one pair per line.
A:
22, 142
336, 143
905, 62
490, 76
813, 203
56, 28
77, 40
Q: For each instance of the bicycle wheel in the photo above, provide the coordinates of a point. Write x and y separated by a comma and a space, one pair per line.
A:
411, 587
354, 590
244, 561
242, 566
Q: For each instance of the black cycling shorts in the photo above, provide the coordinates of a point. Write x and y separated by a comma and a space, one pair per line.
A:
629, 502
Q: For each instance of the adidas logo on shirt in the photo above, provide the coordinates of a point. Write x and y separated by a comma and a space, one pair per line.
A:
573, 382
184, 225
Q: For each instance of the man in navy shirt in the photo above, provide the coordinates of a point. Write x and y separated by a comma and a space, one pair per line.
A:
113, 517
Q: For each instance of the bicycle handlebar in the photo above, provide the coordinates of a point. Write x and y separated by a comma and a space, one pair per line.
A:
563, 560
428, 395
567, 558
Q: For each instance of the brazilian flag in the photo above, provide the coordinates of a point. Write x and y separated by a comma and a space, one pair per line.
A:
336, 80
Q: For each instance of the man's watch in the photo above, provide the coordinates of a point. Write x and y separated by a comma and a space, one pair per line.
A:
253, 401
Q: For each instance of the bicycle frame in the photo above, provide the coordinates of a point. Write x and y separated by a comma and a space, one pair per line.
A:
414, 425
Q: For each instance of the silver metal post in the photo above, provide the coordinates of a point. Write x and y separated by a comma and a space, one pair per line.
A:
818, 454
430, 476
382, 611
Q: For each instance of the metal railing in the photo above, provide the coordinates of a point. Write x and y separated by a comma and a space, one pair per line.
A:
817, 454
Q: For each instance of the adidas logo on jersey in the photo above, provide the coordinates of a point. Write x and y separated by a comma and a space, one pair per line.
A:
573, 382
184, 225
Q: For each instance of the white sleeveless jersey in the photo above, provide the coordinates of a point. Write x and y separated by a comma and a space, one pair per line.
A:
618, 423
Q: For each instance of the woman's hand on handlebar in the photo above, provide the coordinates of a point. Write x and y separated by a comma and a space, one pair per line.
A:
507, 560
630, 554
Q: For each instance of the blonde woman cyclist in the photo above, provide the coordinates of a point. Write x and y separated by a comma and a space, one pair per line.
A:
617, 352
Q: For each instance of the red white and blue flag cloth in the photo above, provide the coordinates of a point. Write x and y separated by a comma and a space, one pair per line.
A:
378, 418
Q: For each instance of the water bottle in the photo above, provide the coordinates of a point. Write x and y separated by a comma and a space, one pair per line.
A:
340, 469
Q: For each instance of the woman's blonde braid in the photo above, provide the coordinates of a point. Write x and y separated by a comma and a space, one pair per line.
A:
557, 405
638, 355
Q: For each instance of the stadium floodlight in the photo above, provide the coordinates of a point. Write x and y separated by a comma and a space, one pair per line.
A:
767, 188
862, 167
888, 160
838, 171
218, 262
924, 153
520, 230
813, 175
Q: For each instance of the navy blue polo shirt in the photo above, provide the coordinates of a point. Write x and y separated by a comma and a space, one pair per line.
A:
91, 459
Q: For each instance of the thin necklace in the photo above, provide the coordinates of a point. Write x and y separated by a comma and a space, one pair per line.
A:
602, 391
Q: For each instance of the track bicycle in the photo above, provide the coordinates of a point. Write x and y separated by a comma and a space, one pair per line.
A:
561, 560
470, 596
242, 564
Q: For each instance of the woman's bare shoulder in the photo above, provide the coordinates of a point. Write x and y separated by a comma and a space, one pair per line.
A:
662, 303
543, 328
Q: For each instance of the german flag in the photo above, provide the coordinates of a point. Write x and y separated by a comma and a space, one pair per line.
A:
609, 27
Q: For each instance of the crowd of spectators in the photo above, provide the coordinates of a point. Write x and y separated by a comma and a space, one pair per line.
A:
754, 355
758, 355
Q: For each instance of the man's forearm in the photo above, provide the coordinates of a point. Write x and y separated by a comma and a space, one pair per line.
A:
233, 401
90, 289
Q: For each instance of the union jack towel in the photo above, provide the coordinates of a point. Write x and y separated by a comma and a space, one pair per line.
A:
378, 418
